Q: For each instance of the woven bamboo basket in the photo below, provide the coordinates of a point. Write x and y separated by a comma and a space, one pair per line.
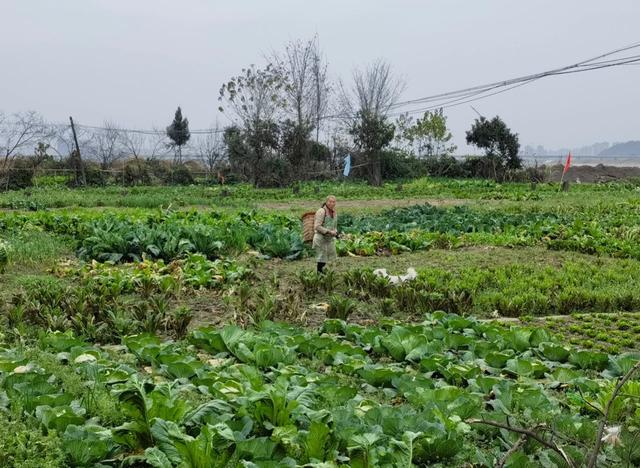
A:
308, 220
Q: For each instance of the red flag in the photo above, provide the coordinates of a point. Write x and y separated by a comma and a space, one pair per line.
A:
567, 164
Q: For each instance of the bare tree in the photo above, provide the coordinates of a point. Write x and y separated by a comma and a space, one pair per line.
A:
158, 145
133, 143
211, 150
108, 145
297, 63
366, 109
306, 93
65, 144
375, 90
145, 145
321, 86
308, 87
18, 133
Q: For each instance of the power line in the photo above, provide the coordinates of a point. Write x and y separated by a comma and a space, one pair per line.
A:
453, 98
458, 97
204, 131
458, 102
482, 94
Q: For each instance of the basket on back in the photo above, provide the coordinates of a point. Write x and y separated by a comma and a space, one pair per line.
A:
308, 220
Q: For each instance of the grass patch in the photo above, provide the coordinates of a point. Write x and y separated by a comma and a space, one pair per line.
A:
92, 394
22, 444
479, 281
243, 195
35, 250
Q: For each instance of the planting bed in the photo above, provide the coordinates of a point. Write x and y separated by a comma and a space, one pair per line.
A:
187, 327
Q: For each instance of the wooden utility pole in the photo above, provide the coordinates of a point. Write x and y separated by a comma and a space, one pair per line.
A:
78, 159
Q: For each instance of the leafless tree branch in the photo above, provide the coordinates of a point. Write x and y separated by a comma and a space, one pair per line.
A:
523, 438
308, 87
593, 457
211, 149
133, 144
374, 91
109, 144
529, 433
158, 146
21, 131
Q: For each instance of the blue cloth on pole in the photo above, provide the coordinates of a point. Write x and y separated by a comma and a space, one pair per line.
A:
347, 165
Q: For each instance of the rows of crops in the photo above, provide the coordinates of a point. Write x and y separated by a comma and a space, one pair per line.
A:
345, 395
242, 194
168, 235
509, 291
104, 362
105, 303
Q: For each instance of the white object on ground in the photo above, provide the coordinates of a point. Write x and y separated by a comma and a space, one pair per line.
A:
396, 279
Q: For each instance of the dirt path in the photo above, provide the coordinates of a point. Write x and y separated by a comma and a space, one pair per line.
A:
363, 205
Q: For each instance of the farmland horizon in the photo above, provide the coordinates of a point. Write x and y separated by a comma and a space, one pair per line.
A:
135, 63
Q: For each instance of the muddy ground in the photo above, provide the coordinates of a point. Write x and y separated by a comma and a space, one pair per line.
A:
598, 173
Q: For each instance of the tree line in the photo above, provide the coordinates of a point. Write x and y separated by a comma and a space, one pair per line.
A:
289, 121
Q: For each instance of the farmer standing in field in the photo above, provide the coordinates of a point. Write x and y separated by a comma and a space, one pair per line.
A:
325, 229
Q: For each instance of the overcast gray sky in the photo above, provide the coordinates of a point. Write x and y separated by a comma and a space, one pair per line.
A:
134, 61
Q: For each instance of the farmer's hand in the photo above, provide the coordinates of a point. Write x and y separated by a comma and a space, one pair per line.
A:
334, 232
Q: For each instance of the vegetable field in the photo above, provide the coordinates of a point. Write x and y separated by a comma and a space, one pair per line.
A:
188, 327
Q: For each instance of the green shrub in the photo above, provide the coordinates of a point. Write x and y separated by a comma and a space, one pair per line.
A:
136, 172
400, 165
18, 176
94, 175
445, 166
179, 174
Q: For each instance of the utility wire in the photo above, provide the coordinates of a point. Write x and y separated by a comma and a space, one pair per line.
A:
485, 93
585, 65
203, 131
462, 96
451, 98
458, 102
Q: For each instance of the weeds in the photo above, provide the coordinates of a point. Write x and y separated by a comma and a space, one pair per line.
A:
340, 307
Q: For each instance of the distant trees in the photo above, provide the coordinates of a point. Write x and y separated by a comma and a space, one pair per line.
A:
289, 122
307, 94
256, 100
371, 133
178, 133
429, 136
211, 150
133, 144
19, 134
109, 145
322, 87
500, 144
366, 107
275, 112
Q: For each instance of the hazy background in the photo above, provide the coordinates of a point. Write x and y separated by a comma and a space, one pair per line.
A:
133, 62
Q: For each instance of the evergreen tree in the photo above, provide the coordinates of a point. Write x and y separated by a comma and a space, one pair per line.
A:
179, 133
